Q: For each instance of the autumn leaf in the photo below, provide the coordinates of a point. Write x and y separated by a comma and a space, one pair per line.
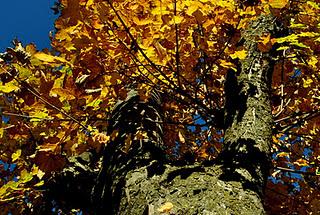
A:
278, 4
283, 154
25, 176
15, 156
9, 87
228, 65
1, 132
242, 54
38, 172
39, 116
181, 138
307, 82
301, 162
101, 138
46, 58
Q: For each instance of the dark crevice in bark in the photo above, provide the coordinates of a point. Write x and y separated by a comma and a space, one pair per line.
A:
183, 172
248, 119
70, 188
128, 118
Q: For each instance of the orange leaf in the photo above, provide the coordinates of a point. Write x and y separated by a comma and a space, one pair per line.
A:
301, 162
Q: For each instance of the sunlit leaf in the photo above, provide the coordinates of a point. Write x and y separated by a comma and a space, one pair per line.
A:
25, 176
301, 162
307, 82
9, 87
15, 156
49, 58
242, 54
278, 3
39, 116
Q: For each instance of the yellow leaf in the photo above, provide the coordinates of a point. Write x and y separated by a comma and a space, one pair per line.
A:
166, 207
313, 4
308, 34
176, 20
140, 135
1, 132
313, 61
95, 103
290, 38
181, 138
283, 154
38, 172
49, 58
89, 3
9, 87
281, 48
39, 184
15, 156
142, 21
301, 162
239, 54
25, 176
24, 73
275, 139
101, 138
38, 116
307, 83
278, 3
265, 39
227, 65
63, 94
45, 57
192, 8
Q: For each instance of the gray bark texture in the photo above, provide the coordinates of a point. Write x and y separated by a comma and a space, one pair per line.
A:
140, 181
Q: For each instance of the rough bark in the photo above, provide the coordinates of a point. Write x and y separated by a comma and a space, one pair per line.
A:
140, 182
125, 152
248, 124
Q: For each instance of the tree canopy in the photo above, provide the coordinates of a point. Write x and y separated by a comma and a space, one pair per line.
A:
55, 103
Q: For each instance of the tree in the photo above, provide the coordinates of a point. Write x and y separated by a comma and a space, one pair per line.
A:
150, 107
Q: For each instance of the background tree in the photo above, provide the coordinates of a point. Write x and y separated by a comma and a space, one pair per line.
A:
196, 79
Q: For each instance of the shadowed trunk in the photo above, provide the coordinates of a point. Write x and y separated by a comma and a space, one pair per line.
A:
137, 180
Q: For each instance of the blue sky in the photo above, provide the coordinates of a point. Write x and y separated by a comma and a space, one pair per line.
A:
29, 21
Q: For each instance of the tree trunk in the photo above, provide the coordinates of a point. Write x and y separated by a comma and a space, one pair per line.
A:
137, 181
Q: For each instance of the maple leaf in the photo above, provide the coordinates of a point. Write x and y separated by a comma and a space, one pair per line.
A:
278, 3
9, 87
15, 156
239, 54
